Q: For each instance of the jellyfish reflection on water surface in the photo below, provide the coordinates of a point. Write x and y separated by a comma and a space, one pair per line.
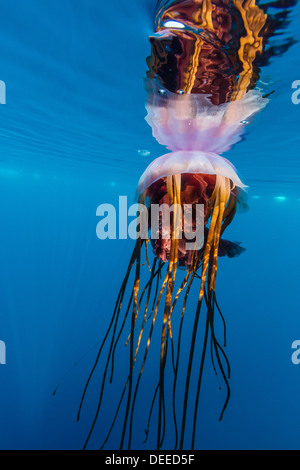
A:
203, 70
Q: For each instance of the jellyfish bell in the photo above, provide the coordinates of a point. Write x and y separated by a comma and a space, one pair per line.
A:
188, 161
200, 179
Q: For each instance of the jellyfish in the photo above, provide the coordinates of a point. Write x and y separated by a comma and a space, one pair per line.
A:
201, 86
177, 179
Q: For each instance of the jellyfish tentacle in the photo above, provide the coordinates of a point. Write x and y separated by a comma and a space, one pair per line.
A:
217, 347
147, 256
177, 225
190, 361
222, 200
116, 312
135, 258
203, 355
213, 361
161, 264
196, 320
137, 348
229, 212
218, 202
118, 337
224, 197
163, 404
173, 187
133, 321
150, 413
148, 285
192, 273
115, 416
181, 288
222, 317
149, 340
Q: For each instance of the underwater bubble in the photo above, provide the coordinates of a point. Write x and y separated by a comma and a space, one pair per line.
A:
279, 198
144, 152
255, 197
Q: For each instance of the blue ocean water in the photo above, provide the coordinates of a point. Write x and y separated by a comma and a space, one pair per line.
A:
71, 136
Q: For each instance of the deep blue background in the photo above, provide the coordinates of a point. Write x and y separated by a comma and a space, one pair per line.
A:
69, 139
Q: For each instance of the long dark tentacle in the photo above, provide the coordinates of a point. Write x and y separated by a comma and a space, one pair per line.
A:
149, 287
222, 317
150, 413
118, 337
115, 416
203, 354
161, 264
193, 274
218, 349
149, 284
112, 322
164, 406
189, 369
166, 328
131, 359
